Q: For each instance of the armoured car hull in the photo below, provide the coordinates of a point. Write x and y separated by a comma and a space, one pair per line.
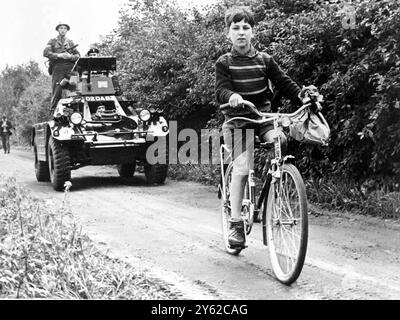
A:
91, 125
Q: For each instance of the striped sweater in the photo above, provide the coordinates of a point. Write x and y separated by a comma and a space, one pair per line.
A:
249, 76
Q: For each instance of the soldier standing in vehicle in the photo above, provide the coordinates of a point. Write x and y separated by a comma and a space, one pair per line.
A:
62, 55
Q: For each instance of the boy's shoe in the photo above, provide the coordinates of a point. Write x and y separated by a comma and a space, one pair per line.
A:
236, 237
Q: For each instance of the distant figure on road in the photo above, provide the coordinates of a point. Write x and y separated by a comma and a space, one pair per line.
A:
6, 127
62, 54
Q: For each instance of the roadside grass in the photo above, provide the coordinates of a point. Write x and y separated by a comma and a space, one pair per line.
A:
342, 194
44, 254
330, 193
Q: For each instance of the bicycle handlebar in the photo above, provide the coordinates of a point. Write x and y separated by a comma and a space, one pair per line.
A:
265, 116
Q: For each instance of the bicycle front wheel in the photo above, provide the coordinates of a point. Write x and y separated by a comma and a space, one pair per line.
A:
287, 224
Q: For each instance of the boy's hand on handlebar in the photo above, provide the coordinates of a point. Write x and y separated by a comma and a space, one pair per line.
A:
310, 91
311, 95
236, 100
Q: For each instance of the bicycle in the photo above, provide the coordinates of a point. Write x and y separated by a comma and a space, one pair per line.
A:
282, 201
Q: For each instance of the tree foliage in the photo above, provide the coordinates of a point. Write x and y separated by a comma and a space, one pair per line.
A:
25, 94
357, 70
166, 56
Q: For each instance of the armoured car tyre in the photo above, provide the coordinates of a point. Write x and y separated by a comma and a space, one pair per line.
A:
126, 170
59, 164
41, 168
156, 173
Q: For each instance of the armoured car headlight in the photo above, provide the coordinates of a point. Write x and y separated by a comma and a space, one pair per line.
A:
145, 115
76, 118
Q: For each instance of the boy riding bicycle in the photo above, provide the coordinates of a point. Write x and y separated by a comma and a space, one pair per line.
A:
244, 74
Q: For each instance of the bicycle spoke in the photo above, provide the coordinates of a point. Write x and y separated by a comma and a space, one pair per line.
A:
286, 209
293, 234
293, 245
292, 211
286, 255
293, 242
287, 196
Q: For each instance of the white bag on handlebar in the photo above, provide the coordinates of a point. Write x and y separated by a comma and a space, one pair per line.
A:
310, 128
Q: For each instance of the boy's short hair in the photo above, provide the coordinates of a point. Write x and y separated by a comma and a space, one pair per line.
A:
237, 14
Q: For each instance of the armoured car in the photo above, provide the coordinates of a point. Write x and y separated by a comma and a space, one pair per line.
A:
92, 124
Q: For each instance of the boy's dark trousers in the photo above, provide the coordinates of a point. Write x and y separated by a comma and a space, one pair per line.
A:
5, 139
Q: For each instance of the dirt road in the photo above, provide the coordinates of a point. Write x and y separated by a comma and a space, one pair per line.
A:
173, 233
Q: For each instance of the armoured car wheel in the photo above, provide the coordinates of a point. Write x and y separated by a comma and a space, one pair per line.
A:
155, 173
126, 170
59, 164
41, 168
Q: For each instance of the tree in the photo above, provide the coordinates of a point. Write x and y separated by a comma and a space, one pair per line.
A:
24, 89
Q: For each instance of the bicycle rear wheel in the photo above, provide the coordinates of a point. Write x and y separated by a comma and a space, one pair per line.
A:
226, 211
287, 224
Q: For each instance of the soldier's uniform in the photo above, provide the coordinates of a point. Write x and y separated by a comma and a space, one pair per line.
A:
61, 67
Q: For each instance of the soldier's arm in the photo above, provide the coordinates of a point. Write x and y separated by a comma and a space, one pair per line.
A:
74, 52
48, 51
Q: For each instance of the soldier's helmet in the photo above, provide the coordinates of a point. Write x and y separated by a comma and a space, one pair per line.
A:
62, 24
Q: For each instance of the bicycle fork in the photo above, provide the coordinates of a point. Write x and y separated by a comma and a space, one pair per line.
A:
248, 207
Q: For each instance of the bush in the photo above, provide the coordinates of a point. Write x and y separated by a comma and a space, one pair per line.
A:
25, 94
44, 254
336, 193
